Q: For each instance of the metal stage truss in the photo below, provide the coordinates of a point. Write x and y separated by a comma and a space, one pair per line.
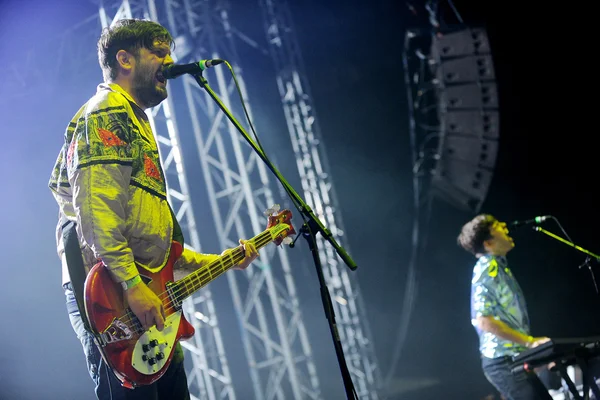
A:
319, 193
239, 189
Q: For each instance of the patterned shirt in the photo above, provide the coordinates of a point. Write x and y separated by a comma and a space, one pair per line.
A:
109, 179
496, 293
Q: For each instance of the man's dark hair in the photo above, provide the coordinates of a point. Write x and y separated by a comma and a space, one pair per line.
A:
475, 232
130, 35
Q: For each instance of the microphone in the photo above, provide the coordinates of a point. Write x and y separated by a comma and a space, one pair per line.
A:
535, 220
176, 70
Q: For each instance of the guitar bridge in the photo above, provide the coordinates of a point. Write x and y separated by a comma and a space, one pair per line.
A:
116, 332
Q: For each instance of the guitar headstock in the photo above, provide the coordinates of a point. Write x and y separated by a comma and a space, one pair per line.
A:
283, 221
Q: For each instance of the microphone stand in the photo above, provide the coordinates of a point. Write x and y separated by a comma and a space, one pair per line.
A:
590, 255
311, 227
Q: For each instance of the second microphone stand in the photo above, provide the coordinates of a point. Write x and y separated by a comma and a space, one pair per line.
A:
588, 260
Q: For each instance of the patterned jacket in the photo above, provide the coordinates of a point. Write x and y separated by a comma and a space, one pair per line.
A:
496, 293
108, 178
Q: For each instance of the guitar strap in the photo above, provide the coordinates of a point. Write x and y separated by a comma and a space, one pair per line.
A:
76, 267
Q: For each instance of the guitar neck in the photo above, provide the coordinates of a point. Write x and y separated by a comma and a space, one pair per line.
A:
203, 276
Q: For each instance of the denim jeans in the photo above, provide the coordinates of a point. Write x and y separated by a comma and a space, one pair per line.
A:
511, 386
172, 385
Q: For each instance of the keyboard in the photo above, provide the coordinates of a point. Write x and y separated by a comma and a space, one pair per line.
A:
564, 349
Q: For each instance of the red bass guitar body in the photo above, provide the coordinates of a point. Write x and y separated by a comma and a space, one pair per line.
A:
137, 357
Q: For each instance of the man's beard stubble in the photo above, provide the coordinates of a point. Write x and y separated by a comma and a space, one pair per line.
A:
145, 88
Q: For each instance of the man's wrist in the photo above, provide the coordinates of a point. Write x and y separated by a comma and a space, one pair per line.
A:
529, 341
129, 283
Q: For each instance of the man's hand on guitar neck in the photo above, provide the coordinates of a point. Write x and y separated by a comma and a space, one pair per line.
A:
250, 254
146, 306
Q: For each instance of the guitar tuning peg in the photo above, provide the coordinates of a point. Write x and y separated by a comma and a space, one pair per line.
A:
287, 240
274, 209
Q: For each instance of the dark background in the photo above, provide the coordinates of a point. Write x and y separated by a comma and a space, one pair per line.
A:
352, 51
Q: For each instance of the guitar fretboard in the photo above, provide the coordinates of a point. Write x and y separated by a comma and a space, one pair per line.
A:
196, 280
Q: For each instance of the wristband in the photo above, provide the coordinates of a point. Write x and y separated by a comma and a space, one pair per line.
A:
128, 284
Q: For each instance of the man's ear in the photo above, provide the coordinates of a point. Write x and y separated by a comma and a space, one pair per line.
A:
487, 244
125, 60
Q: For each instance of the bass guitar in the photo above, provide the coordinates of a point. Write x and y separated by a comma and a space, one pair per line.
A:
140, 357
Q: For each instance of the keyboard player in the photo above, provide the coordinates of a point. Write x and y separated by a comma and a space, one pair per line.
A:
498, 308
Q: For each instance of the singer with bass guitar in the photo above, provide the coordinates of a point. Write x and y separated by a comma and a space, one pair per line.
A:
498, 308
111, 191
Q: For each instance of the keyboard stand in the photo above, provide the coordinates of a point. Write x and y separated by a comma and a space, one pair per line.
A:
588, 379
565, 376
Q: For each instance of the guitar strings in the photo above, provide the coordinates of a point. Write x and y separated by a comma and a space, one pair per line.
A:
236, 256
129, 318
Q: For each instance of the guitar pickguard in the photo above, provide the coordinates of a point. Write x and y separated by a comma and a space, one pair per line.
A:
152, 350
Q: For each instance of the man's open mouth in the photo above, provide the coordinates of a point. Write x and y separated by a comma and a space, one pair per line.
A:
160, 77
